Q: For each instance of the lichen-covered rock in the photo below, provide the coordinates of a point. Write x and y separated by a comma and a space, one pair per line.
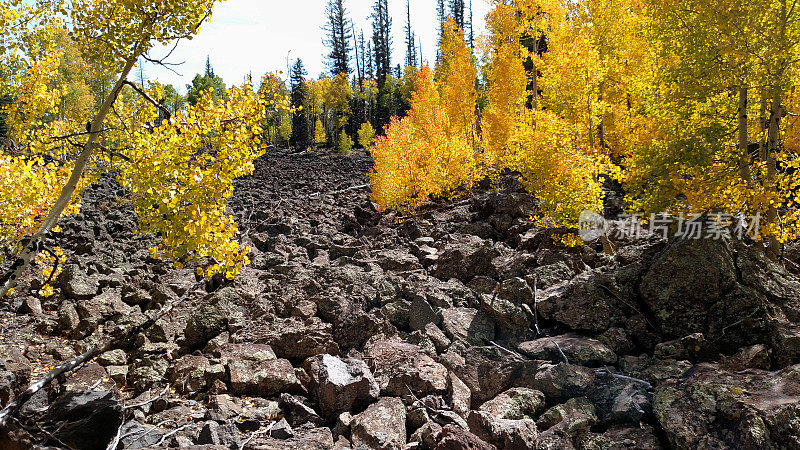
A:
76, 284
714, 408
507, 420
565, 426
520, 434
382, 426
624, 437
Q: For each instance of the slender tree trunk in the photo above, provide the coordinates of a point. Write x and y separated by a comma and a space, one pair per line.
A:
601, 135
591, 120
36, 241
762, 142
773, 246
744, 139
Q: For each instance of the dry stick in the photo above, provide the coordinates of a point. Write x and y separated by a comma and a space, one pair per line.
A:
623, 377
560, 351
172, 433
510, 352
8, 281
147, 402
536, 306
72, 364
256, 433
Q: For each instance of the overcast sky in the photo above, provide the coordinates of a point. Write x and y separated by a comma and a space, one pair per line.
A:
255, 36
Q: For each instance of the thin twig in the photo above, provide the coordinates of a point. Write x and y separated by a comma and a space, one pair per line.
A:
256, 433
147, 402
172, 433
510, 352
560, 351
605, 370
536, 305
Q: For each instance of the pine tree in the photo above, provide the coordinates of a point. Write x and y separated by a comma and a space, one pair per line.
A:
382, 40
457, 11
339, 35
301, 125
471, 28
411, 47
441, 14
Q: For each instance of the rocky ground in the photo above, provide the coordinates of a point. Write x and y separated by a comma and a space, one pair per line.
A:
462, 327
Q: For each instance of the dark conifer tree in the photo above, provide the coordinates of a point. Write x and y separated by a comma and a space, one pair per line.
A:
338, 40
301, 125
411, 44
382, 40
458, 12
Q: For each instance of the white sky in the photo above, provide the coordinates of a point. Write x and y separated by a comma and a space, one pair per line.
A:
254, 36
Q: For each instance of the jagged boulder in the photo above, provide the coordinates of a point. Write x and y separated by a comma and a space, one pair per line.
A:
344, 384
382, 426
713, 408
401, 366
723, 289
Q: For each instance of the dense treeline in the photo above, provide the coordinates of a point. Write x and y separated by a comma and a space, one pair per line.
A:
689, 103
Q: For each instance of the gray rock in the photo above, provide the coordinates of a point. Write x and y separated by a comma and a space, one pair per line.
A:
421, 313
262, 378
281, 430
293, 337
344, 384
382, 426
504, 433
465, 258
76, 284
215, 434
84, 419
585, 303
467, 323
578, 349
560, 381
401, 366
457, 438
299, 412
